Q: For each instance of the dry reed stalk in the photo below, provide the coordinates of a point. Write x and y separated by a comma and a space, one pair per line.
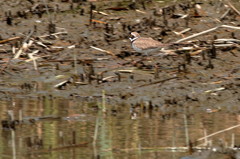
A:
102, 50
25, 45
53, 34
34, 59
207, 31
10, 39
233, 8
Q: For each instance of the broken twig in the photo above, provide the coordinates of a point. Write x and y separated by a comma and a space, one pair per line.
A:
10, 39
102, 50
233, 8
207, 31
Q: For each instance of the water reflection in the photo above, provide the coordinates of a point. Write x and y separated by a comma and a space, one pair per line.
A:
58, 128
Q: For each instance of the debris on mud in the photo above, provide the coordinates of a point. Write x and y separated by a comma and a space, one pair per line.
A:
55, 49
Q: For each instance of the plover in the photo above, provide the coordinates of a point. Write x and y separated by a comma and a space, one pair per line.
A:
145, 45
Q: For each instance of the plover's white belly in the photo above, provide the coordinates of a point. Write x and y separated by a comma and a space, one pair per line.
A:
145, 51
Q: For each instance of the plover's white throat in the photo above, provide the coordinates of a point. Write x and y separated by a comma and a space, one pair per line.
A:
145, 45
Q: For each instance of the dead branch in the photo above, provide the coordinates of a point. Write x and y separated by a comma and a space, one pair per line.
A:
207, 31
54, 34
10, 39
225, 14
182, 32
233, 8
25, 45
30, 55
227, 40
102, 50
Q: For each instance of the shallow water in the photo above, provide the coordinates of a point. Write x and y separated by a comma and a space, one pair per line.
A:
60, 128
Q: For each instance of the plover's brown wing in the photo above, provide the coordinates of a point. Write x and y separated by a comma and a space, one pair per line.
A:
147, 43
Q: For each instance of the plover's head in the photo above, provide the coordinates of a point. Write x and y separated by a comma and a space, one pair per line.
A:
134, 36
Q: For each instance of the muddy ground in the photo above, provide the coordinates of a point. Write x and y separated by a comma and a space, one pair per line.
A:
80, 51
91, 52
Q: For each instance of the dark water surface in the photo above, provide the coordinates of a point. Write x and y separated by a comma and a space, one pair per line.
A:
59, 128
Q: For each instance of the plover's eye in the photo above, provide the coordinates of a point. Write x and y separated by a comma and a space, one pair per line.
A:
131, 36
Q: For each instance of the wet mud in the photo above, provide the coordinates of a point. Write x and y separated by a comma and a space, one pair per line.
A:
91, 52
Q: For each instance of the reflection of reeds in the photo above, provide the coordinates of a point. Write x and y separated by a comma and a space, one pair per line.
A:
13, 144
95, 136
186, 129
206, 139
102, 140
218, 132
103, 105
20, 113
233, 141
11, 116
75, 62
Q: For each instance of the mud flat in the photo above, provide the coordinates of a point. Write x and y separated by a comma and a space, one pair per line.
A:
78, 49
